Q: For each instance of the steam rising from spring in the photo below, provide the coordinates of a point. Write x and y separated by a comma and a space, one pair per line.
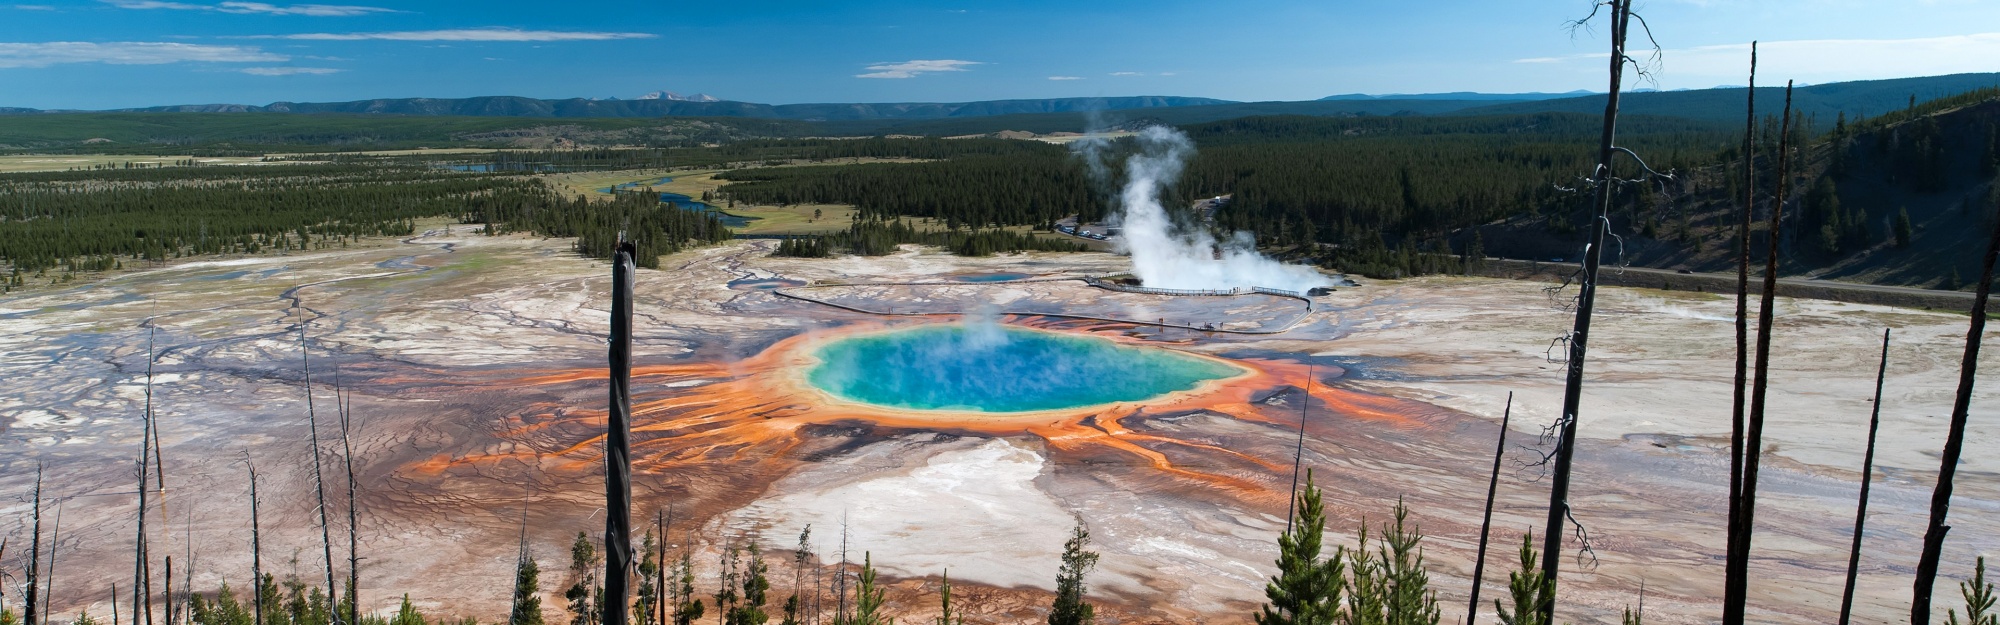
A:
1166, 257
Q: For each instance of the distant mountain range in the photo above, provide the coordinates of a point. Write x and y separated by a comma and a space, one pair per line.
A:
1721, 104
678, 106
1464, 96
669, 95
1860, 98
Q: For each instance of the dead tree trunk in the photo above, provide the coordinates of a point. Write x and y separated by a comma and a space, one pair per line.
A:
1486, 525
353, 541
1954, 443
1742, 323
319, 476
659, 614
1579, 338
55, 545
142, 586
1736, 591
1867, 476
1299, 452
617, 447
256, 548
28, 614
168, 591
3, 573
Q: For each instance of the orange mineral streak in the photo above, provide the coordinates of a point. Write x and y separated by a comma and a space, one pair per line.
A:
706, 413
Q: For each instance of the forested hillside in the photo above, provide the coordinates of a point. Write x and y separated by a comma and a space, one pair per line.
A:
1893, 199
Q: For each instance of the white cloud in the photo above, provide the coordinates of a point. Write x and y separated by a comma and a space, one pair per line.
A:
289, 71
1128, 73
34, 7
127, 53
466, 34
256, 8
911, 69
1065, 78
1815, 60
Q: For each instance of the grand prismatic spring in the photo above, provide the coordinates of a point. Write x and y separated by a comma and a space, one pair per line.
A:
985, 367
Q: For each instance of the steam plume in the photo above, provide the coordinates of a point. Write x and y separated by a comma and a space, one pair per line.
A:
1164, 256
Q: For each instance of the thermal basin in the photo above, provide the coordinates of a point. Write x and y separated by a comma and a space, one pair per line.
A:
982, 367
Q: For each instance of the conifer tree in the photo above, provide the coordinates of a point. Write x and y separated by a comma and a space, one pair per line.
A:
1070, 608
725, 587
868, 598
84, 619
7, 617
1530, 589
224, 610
690, 607
407, 614
582, 594
1366, 603
527, 592
268, 594
1307, 590
1978, 600
947, 615
796, 603
648, 594
1408, 597
1902, 227
755, 588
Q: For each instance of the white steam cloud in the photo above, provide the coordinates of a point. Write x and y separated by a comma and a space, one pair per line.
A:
1166, 257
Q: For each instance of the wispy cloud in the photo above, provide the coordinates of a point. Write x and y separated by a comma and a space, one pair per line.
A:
1819, 60
911, 69
1065, 78
465, 34
289, 71
255, 8
1128, 73
128, 53
33, 7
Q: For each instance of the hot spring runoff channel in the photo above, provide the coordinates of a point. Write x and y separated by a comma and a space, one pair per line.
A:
986, 367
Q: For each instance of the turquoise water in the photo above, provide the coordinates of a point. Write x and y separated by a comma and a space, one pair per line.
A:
994, 368
989, 277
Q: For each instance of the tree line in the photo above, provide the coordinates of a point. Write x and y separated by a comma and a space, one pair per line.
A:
879, 238
66, 222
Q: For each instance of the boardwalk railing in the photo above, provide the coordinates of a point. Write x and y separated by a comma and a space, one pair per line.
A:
1113, 286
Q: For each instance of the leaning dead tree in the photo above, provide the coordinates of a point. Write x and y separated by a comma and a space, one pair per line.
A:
34, 552
1867, 475
1742, 385
319, 477
1486, 522
1299, 452
55, 545
345, 402
1602, 180
1954, 443
1736, 582
256, 546
617, 444
142, 582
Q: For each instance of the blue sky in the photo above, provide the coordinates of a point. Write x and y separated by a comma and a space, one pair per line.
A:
121, 53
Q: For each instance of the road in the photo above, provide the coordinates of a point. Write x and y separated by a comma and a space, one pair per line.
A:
1726, 282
